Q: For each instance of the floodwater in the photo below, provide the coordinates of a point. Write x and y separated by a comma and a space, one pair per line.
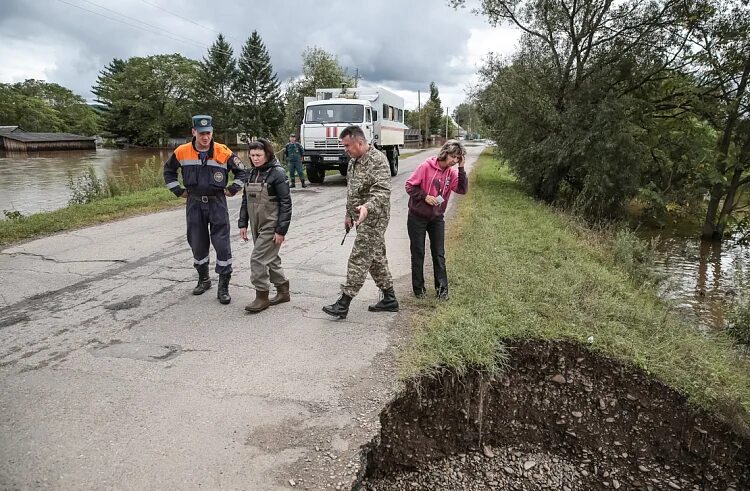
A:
31, 182
703, 278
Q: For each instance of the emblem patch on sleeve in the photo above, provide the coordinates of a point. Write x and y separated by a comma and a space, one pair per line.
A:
238, 163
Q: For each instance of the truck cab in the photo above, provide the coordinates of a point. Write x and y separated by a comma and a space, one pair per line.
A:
332, 110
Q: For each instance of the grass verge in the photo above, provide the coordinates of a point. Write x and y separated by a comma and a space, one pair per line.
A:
518, 269
77, 216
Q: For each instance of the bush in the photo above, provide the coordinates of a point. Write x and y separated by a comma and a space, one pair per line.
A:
636, 256
149, 175
13, 215
87, 187
738, 322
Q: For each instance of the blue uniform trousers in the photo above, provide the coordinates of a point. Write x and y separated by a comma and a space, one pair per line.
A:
208, 218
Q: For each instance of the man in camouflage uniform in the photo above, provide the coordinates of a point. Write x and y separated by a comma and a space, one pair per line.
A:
368, 199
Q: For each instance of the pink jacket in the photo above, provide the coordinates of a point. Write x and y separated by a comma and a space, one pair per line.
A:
429, 179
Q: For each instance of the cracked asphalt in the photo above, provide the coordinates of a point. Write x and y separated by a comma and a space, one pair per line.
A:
113, 375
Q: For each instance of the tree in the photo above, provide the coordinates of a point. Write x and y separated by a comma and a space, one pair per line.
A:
150, 98
40, 106
467, 116
722, 37
433, 112
215, 94
257, 91
320, 69
572, 110
103, 92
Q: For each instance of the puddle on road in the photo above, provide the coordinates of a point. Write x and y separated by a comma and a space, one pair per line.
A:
138, 351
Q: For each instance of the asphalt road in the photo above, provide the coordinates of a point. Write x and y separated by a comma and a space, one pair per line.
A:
112, 375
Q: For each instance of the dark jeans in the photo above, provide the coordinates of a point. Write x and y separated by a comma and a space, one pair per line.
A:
435, 228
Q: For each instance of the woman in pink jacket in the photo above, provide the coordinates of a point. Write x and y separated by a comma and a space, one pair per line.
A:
429, 188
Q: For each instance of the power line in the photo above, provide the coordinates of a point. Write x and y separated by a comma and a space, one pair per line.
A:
157, 30
186, 40
186, 19
124, 22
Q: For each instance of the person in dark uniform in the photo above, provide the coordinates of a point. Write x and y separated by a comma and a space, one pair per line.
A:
266, 212
293, 153
205, 167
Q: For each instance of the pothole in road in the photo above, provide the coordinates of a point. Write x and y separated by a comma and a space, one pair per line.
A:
130, 303
138, 351
560, 417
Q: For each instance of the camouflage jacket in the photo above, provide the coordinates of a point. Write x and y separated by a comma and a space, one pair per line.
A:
369, 184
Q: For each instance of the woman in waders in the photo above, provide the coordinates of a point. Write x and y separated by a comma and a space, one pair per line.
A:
266, 211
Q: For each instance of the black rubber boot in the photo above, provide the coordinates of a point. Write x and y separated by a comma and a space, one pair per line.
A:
204, 282
223, 292
387, 304
442, 293
339, 309
303, 183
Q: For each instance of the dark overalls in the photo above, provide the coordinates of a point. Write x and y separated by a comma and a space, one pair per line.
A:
293, 153
205, 176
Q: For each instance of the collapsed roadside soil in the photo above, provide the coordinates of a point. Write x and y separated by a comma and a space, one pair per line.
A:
559, 417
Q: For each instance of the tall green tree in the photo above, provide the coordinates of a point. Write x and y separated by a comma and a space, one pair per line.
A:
215, 94
722, 57
320, 69
257, 91
433, 112
149, 98
102, 89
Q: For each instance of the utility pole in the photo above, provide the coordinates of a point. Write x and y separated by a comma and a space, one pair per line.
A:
446, 122
356, 77
419, 115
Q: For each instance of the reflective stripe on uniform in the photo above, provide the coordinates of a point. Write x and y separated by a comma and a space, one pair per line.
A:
190, 162
224, 263
238, 182
214, 163
201, 261
173, 184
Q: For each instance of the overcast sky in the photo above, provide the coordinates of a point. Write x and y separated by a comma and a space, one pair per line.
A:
400, 44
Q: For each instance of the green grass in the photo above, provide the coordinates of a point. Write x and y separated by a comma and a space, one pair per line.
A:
77, 216
518, 269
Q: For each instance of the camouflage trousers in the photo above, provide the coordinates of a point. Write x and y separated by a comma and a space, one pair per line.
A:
368, 255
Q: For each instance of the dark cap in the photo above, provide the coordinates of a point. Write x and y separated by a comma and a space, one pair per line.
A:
203, 123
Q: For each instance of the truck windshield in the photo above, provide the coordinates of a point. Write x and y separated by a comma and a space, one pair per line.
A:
335, 113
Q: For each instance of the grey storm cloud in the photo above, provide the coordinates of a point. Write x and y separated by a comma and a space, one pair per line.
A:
406, 43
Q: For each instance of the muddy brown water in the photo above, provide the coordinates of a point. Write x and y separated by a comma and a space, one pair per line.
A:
31, 182
703, 278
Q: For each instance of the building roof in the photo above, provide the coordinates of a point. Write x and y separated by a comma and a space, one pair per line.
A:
27, 137
6, 129
413, 131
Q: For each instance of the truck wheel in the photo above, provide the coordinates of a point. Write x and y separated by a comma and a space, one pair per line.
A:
315, 174
393, 161
343, 170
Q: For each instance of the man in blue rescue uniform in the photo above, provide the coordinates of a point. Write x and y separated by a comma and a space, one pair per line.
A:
205, 168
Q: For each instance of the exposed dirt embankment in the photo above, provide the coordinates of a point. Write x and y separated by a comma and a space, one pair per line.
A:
560, 417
